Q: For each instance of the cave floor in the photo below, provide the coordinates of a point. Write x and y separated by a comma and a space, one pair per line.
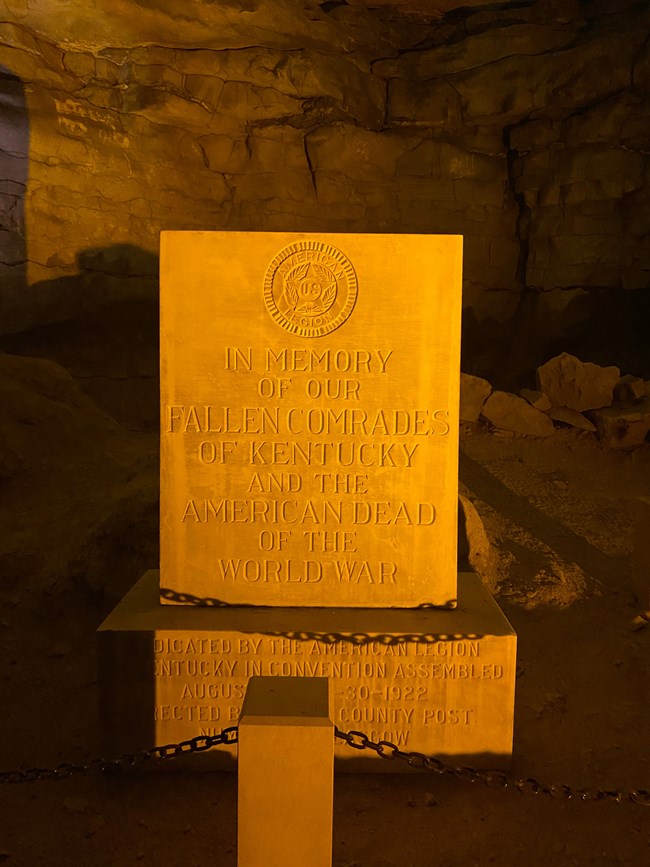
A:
560, 515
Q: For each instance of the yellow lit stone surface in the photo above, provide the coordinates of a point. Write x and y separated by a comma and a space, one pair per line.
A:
309, 398
285, 774
432, 680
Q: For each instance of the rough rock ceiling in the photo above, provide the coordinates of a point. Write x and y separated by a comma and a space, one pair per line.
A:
351, 25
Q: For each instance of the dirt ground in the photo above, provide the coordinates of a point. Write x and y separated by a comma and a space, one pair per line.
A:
559, 514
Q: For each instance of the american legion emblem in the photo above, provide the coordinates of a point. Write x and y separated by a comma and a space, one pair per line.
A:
310, 288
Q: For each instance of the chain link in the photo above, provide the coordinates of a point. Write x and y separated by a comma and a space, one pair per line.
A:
358, 639
495, 779
127, 760
355, 739
213, 602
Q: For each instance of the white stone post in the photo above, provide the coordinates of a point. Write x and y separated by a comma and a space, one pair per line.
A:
286, 773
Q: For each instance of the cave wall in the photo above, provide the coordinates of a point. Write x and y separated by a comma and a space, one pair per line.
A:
523, 126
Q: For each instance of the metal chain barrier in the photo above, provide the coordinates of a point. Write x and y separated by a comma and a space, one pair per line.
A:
213, 602
496, 779
127, 760
355, 739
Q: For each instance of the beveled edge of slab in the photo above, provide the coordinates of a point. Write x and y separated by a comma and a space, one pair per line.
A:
477, 615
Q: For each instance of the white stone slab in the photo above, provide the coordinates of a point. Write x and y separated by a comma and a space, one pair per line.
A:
309, 417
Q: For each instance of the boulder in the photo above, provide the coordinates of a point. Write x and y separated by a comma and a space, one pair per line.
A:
629, 388
474, 546
623, 427
82, 491
576, 384
538, 399
571, 417
474, 391
511, 413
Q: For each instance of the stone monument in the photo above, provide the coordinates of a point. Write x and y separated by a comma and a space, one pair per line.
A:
308, 456
309, 464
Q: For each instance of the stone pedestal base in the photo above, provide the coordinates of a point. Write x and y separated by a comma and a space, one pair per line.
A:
436, 681
285, 778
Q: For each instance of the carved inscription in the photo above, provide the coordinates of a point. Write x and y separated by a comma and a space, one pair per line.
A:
344, 498
306, 420
310, 466
424, 695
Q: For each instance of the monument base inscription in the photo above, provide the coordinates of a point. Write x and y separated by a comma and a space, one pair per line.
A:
431, 680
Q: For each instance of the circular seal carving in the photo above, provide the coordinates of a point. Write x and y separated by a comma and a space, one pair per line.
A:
310, 288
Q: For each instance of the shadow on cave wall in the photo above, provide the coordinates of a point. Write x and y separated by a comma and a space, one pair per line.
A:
105, 275
102, 323
604, 326
608, 327
106, 330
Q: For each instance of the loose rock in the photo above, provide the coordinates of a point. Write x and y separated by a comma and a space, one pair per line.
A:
474, 391
629, 388
623, 427
475, 544
576, 384
511, 413
537, 399
571, 417
70, 446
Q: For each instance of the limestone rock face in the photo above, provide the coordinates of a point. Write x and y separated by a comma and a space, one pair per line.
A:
496, 121
474, 391
576, 384
511, 413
